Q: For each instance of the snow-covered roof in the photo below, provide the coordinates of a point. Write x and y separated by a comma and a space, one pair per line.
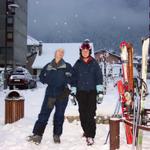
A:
107, 51
48, 50
32, 41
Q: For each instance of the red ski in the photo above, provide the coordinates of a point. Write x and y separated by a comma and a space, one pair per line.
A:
125, 110
125, 87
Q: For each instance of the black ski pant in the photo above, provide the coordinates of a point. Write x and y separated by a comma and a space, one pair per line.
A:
87, 110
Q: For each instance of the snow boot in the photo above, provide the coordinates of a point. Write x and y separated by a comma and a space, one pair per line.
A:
90, 141
56, 138
35, 139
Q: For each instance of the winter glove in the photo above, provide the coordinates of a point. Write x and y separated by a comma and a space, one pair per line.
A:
99, 97
73, 90
73, 99
99, 88
100, 94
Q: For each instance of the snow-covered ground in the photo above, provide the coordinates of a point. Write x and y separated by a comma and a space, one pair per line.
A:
13, 136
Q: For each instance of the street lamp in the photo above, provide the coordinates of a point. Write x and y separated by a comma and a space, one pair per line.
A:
10, 10
13, 6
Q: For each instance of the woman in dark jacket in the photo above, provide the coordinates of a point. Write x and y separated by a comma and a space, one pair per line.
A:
56, 75
87, 81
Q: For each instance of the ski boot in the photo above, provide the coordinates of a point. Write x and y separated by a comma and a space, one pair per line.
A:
35, 139
56, 138
84, 135
90, 141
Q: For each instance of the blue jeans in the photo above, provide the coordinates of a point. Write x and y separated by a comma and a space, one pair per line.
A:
46, 109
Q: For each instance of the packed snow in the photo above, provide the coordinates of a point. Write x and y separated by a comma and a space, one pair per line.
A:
13, 136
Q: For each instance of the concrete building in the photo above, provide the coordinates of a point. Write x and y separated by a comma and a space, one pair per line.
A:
13, 32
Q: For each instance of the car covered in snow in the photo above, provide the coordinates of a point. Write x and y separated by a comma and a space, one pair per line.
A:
21, 78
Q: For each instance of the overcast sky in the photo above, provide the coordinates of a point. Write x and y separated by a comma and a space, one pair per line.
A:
53, 20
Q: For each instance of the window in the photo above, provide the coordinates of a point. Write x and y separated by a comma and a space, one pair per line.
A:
9, 35
12, 11
10, 20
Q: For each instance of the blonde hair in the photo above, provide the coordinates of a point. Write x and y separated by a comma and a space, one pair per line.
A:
59, 49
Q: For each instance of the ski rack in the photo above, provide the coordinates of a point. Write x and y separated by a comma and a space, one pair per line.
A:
146, 115
142, 127
115, 125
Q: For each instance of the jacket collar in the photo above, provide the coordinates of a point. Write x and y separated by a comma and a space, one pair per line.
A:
90, 58
60, 64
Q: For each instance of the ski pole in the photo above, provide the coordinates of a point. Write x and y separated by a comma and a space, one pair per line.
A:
135, 112
116, 111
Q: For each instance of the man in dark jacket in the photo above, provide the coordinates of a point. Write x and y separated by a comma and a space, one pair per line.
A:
57, 75
87, 83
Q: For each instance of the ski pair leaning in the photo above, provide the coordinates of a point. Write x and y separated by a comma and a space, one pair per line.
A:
132, 92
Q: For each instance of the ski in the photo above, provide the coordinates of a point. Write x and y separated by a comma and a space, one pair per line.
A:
125, 87
130, 69
124, 59
138, 83
145, 49
125, 110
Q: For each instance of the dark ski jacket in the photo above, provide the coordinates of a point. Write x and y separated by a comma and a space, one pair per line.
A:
57, 76
86, 75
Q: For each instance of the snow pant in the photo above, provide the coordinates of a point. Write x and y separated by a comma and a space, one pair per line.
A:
46, 109
87, 110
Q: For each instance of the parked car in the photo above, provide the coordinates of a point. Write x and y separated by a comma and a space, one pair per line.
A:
21, 78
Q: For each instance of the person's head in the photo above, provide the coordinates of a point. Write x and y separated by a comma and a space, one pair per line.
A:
59, 54
85, 49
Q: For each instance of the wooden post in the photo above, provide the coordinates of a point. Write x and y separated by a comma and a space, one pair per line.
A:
114, 124
14, 107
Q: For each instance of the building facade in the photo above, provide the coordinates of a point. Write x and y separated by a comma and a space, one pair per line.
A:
34, 47
111, 58
13, 32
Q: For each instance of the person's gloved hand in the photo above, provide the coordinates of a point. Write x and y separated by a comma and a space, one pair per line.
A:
73, 91
100, 94
73, 99
99, 97
72, 96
